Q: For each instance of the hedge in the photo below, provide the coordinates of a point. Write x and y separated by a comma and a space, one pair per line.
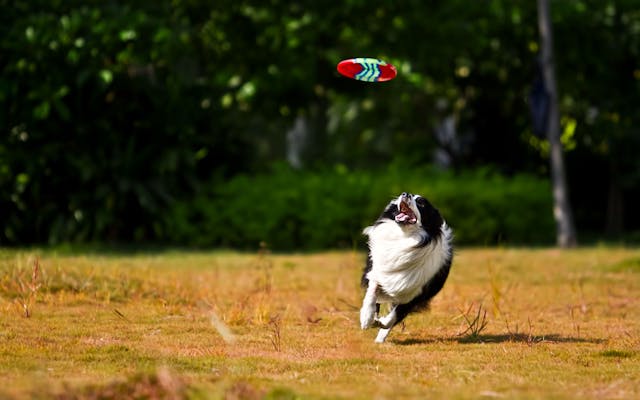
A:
290, 210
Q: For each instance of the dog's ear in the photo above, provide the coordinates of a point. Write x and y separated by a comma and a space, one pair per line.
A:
390, 212
432, 221
429, 216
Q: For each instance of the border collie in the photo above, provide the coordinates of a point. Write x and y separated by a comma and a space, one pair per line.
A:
410, 254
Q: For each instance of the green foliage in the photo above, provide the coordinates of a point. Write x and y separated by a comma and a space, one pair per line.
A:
112, 113
103, 121
292, 210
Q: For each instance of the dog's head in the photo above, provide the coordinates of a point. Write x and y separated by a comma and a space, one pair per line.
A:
414, 210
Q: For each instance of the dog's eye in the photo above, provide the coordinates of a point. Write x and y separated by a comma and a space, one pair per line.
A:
421, 202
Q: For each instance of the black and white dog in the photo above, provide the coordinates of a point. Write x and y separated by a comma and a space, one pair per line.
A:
410, 254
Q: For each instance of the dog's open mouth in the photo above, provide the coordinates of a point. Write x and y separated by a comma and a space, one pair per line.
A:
405, 214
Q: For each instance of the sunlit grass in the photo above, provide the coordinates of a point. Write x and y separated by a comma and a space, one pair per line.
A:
548, 323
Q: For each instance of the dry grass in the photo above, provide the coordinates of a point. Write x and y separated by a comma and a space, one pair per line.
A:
510, 323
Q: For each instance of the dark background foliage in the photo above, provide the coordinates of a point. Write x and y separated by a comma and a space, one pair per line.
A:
225, 124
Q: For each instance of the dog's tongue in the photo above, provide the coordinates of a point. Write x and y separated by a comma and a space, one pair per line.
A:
405, 215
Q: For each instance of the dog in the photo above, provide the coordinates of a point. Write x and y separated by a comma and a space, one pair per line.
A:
408, 261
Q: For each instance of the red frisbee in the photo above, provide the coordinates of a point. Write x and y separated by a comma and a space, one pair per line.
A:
367, 69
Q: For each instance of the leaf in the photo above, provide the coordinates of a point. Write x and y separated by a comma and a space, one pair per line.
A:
106, 76
42, 110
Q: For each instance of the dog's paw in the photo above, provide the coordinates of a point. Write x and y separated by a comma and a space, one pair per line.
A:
367, 316
382, 335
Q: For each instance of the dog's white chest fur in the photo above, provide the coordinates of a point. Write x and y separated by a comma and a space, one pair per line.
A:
399, 266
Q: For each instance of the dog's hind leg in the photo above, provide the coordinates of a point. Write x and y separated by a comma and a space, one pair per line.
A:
386, 323
369, 306
397, 315
388, 320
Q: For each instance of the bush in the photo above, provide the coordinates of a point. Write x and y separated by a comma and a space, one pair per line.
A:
290, 210
102, 120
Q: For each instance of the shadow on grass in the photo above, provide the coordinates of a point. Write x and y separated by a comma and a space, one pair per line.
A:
505, 338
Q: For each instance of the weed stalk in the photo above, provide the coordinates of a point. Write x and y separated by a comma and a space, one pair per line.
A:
475, 323
29, 290
275, 332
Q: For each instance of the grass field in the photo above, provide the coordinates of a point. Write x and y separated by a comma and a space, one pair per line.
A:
510, 323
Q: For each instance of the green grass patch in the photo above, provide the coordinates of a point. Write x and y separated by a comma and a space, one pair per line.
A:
626, 265
617, 354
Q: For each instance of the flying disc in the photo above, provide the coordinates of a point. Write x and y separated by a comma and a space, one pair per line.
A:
367, 69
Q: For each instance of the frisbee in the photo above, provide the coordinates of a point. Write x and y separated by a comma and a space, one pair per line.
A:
367, 69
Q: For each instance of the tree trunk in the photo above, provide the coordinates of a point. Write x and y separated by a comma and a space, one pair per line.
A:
565, 230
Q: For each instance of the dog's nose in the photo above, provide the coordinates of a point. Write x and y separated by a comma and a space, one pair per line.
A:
405, 194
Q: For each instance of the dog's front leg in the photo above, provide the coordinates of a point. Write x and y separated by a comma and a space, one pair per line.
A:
368, 310
382, 335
